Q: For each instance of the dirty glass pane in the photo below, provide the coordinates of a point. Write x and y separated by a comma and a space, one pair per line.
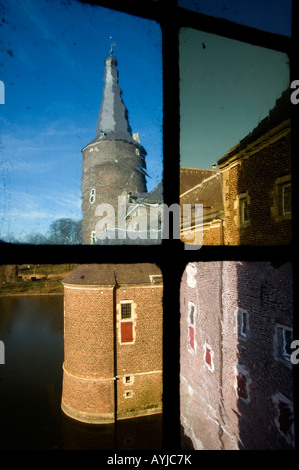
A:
229, 93
273, 16
52, 73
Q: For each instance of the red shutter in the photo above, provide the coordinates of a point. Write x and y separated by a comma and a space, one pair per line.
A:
126, 332
191, 337
242, 391
208, 357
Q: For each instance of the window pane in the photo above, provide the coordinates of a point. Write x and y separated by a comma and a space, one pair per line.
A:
272, 16
52, 103
287, 202
126, 310
233, 97
287, 341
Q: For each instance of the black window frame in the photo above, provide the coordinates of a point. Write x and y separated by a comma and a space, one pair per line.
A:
171, 18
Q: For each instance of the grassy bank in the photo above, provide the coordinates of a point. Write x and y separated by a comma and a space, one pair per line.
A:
37, 280
32, 287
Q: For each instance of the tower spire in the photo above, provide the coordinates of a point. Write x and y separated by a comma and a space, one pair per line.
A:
113, 123
112, 45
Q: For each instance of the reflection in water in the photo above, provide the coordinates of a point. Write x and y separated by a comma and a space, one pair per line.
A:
31, 384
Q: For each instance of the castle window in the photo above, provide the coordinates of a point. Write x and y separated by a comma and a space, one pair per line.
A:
156, 278
126, 322
92, 196
191, 326
242, 383
282, 341
191, 271
93, 237
208, 357
242, 392
286, 199
128, 394
284, 419
242, 319
281, 199
128, 379
126, 310
244, 213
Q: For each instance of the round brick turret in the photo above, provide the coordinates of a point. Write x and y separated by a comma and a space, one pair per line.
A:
114, 162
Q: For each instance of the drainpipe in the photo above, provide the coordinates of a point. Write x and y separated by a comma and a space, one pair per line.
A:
115, 350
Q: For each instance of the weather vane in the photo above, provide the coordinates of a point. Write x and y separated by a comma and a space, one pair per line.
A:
112, 45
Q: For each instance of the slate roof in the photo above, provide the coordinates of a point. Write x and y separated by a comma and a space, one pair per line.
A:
112, 274
190, 177
208, 192
155, 196
280, 112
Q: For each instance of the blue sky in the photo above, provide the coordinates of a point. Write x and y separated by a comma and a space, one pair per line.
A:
52, 65
273, 16
226, 88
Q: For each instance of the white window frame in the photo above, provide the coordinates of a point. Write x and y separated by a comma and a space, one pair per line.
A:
280, 352
191, 324
242, 328
92, 196
277, 208
156, 278
242, 199
284, 186
205, 347
240, 369
132, 320
130, 381
93, 237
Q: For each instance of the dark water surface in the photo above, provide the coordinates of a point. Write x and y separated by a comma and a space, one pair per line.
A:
31, 384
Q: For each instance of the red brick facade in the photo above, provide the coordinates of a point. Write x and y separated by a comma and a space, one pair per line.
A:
257, 174
236, 383
107, 376
248, 201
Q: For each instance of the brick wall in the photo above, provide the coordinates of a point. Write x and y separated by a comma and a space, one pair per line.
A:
88, 385
109, 167
91, 370
142, 359
245, 401
200, 386
213, 235
254, 171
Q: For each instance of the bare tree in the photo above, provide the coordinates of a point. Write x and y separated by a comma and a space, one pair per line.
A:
65, 232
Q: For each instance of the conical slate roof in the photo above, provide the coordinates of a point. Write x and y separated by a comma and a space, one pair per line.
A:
113, 123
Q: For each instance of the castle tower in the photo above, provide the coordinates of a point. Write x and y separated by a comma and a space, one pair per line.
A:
114, 161
112, 342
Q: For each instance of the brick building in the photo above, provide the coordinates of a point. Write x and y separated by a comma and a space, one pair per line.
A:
113, 342
248, 200
114, 166
236, 378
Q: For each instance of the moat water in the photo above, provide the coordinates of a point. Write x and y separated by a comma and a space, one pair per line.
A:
31, 329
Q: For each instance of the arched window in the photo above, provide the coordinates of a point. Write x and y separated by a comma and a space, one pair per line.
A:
92, 196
